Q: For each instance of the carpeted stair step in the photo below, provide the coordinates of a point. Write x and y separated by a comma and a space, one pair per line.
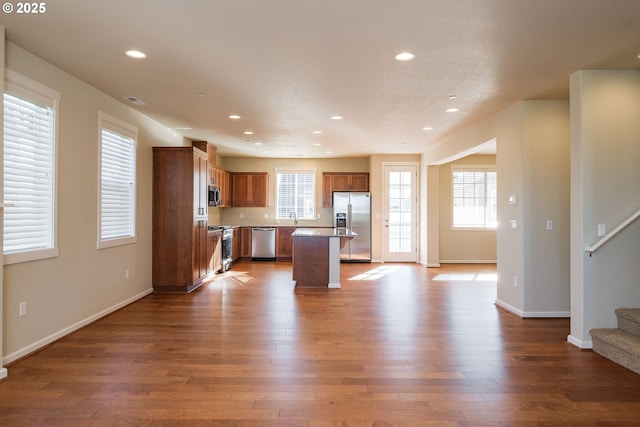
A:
619, 346
629, 320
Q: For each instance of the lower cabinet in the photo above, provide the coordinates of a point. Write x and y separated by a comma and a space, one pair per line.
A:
245, 242
235, 245
199, 258
284, 242
214, 251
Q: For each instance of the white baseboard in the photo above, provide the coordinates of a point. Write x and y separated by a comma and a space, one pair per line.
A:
547, 314
66, 331
511, 309
585, 345
468, 261
531, 314
3, 373
433, 265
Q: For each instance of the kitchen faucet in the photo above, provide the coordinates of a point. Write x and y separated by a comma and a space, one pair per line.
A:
294, 214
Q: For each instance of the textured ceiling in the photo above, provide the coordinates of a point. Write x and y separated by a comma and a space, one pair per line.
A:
287, 66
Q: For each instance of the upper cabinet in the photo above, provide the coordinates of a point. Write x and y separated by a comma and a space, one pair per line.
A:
250, 189
342, 181
222, 179
200, 187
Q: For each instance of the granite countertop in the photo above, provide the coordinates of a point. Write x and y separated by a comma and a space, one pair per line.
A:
323, 232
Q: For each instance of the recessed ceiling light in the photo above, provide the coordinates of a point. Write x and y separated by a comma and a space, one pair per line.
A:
135, 54
317, 144
405, 56
200, 94
427, 128
248, 132
329, 152
257, 143
452, 97
317, 132
234, 117
452, 110
181, 128
336, 117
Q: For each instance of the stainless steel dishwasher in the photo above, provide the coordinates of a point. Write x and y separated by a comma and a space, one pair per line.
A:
263, 243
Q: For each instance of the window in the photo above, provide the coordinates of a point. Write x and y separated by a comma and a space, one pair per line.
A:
117, 182
295, 192
474, 197
29, 170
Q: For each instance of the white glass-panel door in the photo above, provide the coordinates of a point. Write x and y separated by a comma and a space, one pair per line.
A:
400, 227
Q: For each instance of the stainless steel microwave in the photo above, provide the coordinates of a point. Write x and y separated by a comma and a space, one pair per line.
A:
214, 195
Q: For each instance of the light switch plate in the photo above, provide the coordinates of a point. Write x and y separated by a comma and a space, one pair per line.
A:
602, 230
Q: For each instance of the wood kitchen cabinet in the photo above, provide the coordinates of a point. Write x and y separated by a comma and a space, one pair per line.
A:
214, 251
342, 181
179, 219
222, 179
235, 245
249, 189
245, 242
284, 242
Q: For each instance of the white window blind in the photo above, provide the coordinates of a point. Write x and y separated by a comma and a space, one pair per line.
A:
29, 169
295, 192
474, 198
117, 199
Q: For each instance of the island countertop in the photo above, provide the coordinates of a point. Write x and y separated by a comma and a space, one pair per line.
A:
323, 232
316, 255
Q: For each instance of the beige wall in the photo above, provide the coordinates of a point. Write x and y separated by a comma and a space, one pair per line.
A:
82, 283
376, 183
3, 371
605, 172
266, 216
462, 245
546, 176
531, 141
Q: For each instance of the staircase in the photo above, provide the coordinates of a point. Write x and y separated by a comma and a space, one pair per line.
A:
622, 345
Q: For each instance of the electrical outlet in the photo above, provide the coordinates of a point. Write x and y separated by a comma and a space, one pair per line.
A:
23, 309
126, 274
515, 280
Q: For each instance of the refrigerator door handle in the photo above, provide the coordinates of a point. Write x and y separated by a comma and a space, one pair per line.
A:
349, 217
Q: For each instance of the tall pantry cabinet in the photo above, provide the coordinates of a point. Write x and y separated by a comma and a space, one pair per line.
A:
180, 196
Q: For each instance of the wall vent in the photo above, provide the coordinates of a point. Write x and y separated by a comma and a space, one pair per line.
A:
134, 100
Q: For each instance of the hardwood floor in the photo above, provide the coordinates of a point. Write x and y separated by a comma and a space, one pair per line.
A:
400, 345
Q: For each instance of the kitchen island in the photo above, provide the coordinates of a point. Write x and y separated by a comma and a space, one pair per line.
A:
316, 256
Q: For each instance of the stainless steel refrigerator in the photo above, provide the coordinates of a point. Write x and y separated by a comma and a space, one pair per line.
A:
356, 208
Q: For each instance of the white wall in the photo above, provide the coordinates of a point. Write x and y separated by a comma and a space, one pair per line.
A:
605, 177
82, 283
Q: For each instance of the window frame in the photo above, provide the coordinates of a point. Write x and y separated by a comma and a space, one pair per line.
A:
29, 90
297, 171
473, 168
122, 128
